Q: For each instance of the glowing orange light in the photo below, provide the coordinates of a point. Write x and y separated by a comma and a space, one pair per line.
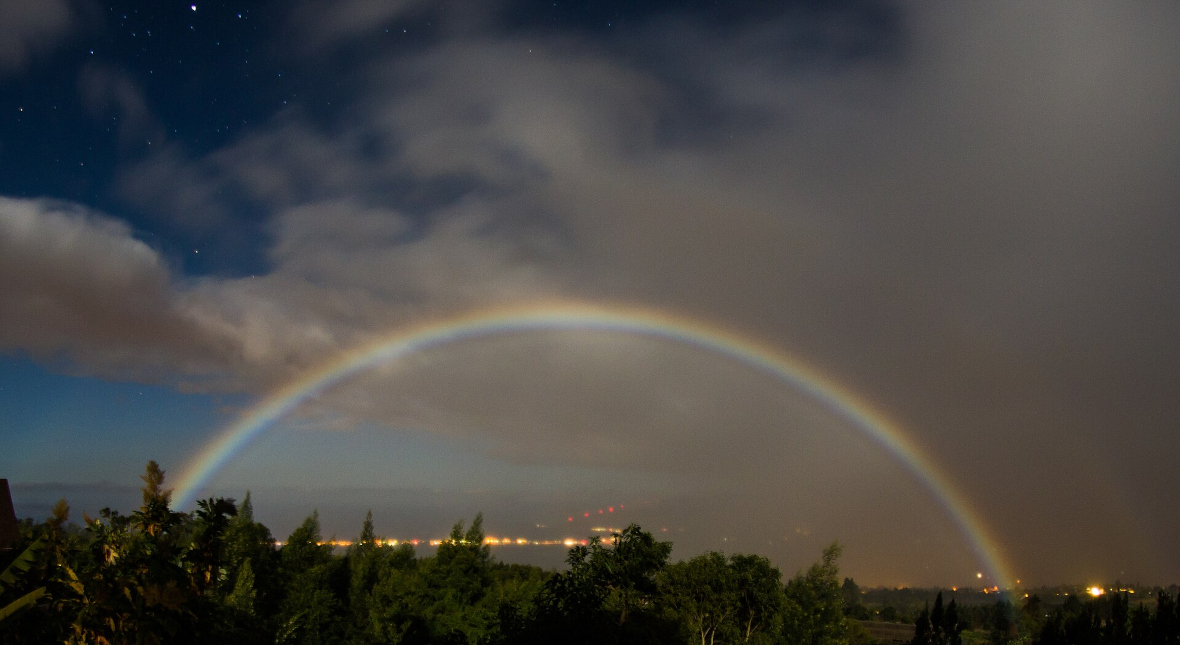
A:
1095, 591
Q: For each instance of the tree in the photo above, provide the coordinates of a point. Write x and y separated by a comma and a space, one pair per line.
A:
1118, 625
397, 605
853, 608
759, 596
207, 555
604, 591
1002, 623
702, 594
249, 544
813, 614
154, 517
571, 602
628, 569
457, 579
244, 593
922, 629
365, 563
1033, 615
1166, 626
10, 577
937, 636
133, 585
952, 627
310, 612
304, 549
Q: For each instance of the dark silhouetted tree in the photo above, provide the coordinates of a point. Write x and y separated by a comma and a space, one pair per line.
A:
813, 613
760, 598
701, 593
923, 631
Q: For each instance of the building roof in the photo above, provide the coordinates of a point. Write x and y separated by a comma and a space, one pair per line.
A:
9, 531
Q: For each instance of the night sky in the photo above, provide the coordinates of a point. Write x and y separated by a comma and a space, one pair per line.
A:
965, 214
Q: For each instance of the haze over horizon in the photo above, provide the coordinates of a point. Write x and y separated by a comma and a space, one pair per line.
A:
961, 216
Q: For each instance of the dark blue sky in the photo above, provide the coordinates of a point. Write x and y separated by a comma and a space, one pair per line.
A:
962, 214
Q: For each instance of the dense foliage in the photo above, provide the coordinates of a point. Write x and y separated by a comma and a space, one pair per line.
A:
217, 575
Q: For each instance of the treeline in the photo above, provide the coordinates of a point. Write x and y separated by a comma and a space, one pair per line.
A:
1109, 619
217, 575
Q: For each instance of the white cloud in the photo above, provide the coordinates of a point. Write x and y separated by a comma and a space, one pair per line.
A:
77, 285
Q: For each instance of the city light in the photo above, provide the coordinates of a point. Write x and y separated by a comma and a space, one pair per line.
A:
487, 541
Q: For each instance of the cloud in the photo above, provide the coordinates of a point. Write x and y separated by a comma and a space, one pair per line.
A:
81, 290
321, 24
107, 91
31, 28
943, 202
971, 224
182, 193
343, 273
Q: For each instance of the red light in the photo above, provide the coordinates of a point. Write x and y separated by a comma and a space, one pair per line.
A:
600, 511
570, 518
586, 514
611, 508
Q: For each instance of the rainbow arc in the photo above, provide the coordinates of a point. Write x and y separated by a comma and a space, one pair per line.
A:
600, 318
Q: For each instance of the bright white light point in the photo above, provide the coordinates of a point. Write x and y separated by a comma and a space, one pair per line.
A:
1095, 591
979, 575
193, 7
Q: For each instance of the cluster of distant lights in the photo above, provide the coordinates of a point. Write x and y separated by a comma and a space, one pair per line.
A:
487, 541
1094, 591
566, 542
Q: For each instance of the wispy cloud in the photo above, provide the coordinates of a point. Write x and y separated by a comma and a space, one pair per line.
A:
31, 29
